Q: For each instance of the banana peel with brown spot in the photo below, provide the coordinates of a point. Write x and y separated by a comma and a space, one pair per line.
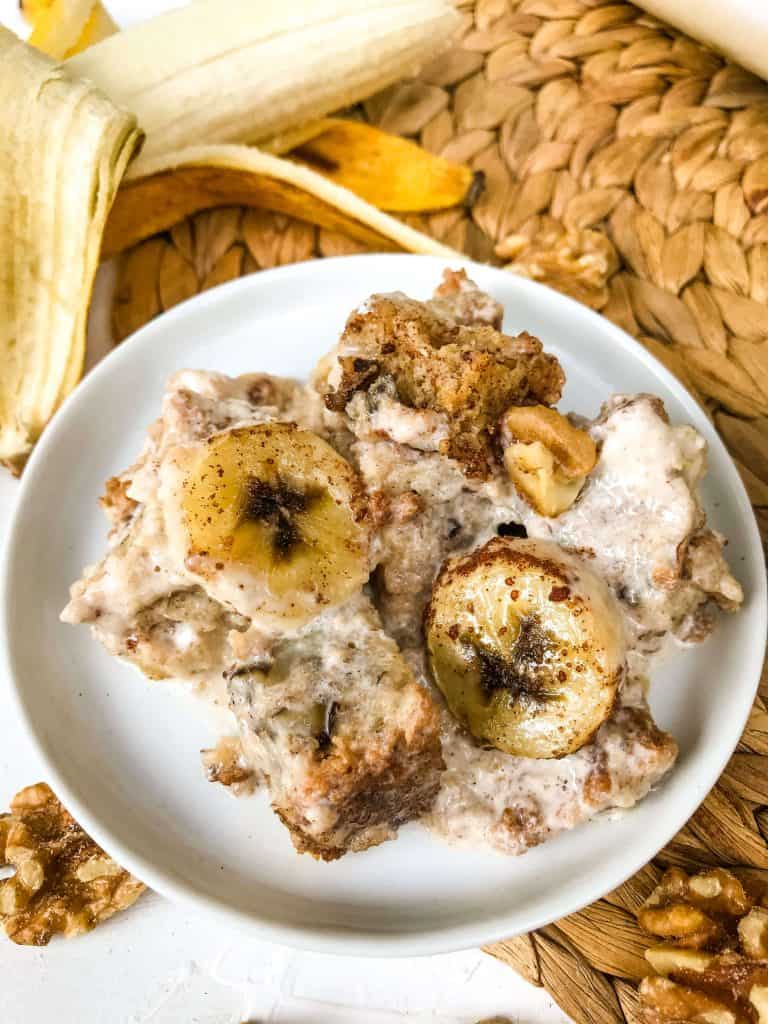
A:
386, 170
201, 177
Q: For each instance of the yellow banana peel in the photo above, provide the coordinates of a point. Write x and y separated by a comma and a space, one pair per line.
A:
63, 150
201, 177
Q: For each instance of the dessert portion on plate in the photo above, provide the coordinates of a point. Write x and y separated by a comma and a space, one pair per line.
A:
423, 592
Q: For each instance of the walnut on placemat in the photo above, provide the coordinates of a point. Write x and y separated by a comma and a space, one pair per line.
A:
62, 882
578, 263
712, 967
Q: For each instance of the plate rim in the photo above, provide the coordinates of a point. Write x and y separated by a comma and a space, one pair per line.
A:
338, 939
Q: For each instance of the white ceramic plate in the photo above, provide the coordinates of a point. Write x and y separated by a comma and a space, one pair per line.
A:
123, 752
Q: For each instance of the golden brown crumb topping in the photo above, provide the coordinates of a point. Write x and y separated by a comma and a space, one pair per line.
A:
471, 373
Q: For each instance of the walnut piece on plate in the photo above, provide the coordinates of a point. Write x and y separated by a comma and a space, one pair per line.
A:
546, 457
62, 882
713, 965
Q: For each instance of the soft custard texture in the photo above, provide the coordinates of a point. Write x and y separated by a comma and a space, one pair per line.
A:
347, 739
339, 717
328, 712
641, 503
637, 522
142, 600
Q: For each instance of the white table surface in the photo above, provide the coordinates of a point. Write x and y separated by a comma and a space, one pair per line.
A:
162, 964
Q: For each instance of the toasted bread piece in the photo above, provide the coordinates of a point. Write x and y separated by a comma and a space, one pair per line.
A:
368, 787
346, 737
445, 356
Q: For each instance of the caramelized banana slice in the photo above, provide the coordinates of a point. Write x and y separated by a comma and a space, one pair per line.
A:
526, 644
269, 516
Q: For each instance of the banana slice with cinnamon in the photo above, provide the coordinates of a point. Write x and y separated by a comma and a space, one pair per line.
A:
269, 516
526, 644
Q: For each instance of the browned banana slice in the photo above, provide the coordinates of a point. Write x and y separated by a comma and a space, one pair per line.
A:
269, 516
526, 644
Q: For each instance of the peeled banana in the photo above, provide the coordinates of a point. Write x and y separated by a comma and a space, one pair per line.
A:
237, 71
270, 517
240, 71
526, 644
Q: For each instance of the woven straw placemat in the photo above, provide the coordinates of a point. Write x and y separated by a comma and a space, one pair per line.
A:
626, 165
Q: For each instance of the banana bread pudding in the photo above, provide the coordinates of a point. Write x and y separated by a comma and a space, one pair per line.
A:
422, 591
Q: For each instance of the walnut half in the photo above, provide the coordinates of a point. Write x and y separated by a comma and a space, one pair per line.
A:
63, 882
546, 457
712, 967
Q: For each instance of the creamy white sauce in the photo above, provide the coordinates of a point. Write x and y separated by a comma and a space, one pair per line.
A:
419, 429
635, 516
632, 521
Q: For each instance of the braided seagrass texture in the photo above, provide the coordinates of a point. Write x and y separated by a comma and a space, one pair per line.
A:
626, 165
